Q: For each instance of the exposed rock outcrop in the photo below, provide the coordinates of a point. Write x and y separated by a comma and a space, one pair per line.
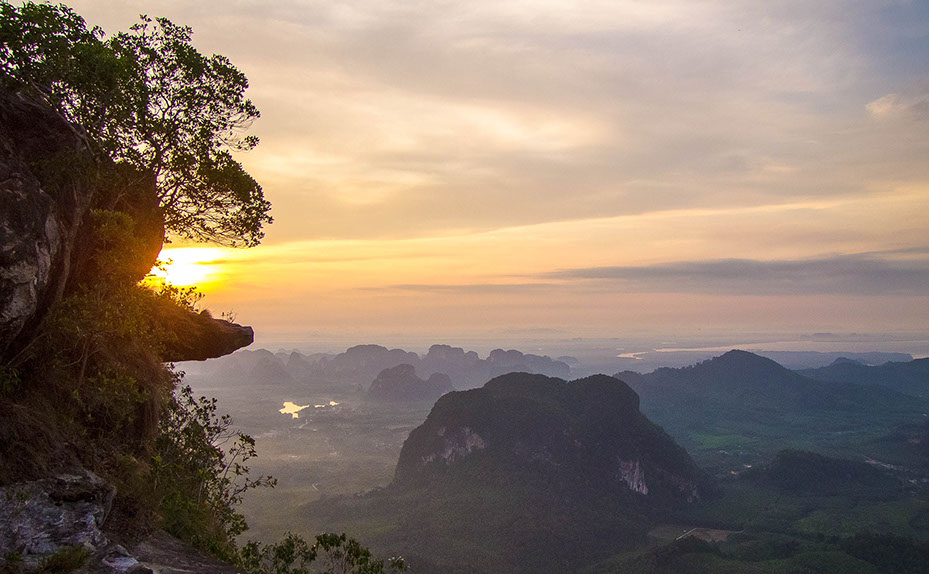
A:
45, 191
41, 518
49, 180
198, 336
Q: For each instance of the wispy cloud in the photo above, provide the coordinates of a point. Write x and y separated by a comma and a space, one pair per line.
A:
840, 275
382, 119
470, 288
911, 105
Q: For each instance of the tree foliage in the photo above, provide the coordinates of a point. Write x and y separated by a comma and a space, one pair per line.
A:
149, 99
331, 554
200, 471
49, 50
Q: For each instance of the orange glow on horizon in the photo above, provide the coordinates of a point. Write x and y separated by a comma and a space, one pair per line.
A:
190, 266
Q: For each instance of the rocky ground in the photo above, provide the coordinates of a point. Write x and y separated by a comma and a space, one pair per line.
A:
43, 518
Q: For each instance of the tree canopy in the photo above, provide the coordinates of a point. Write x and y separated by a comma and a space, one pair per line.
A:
150, 99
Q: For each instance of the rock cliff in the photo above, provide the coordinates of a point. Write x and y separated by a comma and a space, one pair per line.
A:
41, 518
49, 181
586, 435
41, 210
58, 413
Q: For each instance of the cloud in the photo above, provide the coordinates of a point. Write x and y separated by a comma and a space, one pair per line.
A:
840, 275
912, 106
407, 119
469, 288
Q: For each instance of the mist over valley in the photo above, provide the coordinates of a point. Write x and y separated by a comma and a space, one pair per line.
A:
344, 435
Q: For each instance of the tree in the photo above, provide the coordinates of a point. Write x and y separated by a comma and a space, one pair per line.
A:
149, 99
49, 51
200, 471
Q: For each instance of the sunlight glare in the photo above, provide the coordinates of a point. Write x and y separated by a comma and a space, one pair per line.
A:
189, 266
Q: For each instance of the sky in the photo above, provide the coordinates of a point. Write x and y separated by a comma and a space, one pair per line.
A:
457, 170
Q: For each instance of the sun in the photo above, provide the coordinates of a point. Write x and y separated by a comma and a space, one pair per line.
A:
189, 266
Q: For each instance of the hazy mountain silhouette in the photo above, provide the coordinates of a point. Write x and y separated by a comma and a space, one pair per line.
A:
587, 432
528, 474
911, 377
361, 364
741, 378
741, 388
401, 385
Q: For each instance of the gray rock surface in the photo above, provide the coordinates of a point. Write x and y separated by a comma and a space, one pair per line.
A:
164, 554
43, 517
47, 182
39, 219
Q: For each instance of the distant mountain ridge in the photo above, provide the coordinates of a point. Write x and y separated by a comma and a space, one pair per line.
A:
401, 385
744, 390
740, 377
911, 377
361, 364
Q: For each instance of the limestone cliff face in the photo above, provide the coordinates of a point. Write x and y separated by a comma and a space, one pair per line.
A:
554, 474
579, 437
49, 181
40, 213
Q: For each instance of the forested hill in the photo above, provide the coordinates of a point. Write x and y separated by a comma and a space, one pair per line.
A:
910, 377
752, 404
744, 381
577, 433
528, 474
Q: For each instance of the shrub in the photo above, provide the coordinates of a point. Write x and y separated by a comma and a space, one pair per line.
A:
197, 483
334, 553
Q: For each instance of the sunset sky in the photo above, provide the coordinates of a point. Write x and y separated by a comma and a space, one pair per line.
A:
596, 169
